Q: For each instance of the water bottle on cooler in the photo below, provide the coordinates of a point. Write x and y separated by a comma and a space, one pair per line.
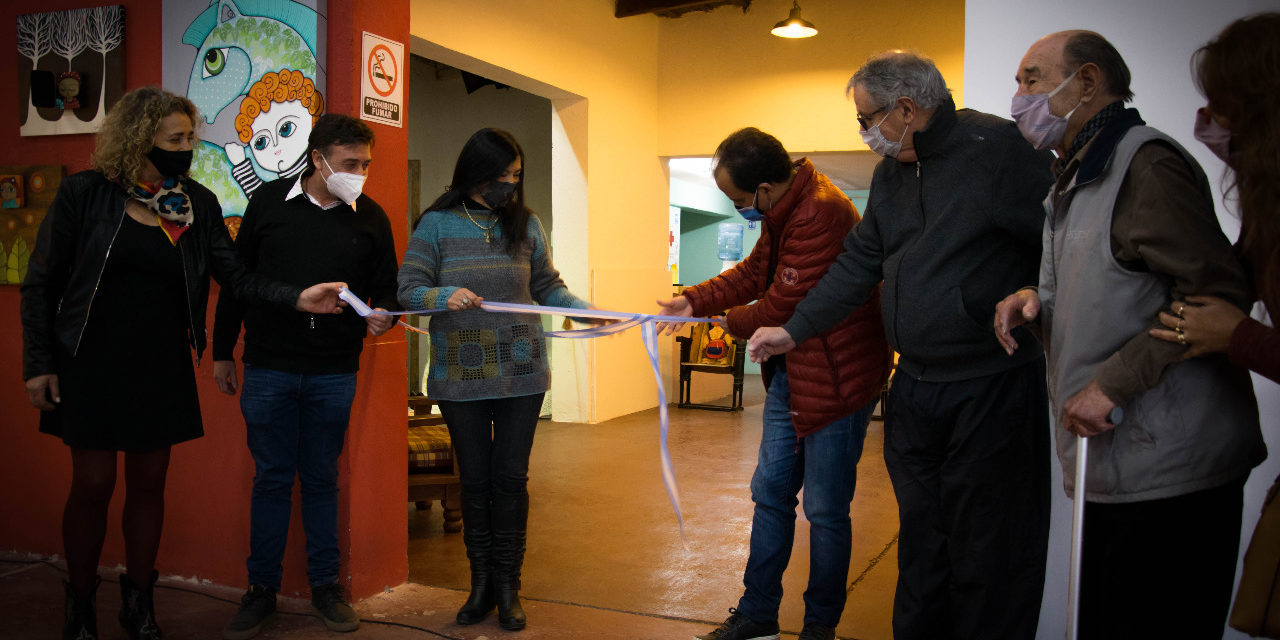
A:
729, 244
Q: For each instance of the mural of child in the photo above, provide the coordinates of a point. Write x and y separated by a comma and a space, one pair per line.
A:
69, 90
10, 193
275, 119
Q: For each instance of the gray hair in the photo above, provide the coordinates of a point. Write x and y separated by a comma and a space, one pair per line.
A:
893, 74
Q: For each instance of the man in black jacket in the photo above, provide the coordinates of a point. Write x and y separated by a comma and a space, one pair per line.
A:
300, 369
953, 221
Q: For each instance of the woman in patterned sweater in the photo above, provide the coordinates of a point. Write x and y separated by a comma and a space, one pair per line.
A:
488, 371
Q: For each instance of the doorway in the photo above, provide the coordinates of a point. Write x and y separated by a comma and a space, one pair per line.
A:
566, 122
448, 105
698, 209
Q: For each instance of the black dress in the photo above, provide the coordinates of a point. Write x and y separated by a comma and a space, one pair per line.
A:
131, 385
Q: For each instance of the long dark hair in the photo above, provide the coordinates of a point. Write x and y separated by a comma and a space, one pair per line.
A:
1238, 72
484, 158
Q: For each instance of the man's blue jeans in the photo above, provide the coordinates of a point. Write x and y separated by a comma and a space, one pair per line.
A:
825, 464
296, 427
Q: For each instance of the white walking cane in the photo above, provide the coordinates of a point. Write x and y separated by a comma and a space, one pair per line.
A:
1077, 529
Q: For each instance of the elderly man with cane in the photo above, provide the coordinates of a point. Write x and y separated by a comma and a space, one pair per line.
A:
1131, 230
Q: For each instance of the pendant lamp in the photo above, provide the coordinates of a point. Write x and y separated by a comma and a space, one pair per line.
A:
794, 26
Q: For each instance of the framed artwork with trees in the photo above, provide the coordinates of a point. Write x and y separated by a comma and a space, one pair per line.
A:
70, 69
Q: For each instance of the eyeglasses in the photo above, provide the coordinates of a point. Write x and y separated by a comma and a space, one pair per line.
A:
862, 120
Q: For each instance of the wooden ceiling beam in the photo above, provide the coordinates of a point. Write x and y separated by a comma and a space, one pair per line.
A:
628, 8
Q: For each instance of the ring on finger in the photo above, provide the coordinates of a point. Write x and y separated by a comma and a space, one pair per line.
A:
1182, 338
1181, 307
1180, 321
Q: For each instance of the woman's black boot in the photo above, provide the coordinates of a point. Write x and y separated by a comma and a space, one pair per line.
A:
478, 537
82, 616
510, 518
481, 600
510, 611
138, 610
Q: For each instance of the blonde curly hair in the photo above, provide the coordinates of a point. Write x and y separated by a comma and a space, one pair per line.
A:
129, 130
277, 86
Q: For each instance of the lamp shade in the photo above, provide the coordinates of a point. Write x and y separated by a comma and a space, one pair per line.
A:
794, 26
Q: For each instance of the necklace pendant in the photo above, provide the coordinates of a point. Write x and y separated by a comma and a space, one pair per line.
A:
487, 237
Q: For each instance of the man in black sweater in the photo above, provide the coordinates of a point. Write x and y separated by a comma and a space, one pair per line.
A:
300, 369
952, 224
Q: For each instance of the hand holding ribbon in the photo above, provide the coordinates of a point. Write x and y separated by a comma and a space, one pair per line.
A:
463, 299
677, 306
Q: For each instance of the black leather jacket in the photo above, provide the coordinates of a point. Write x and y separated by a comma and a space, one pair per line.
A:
71, 251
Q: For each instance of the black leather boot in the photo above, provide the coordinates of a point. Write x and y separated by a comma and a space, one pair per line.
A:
481, 601
510, 611
138, 610
510, 518
82, 616
478, 536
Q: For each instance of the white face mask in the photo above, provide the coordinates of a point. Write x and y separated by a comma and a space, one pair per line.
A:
874, 139
344, 186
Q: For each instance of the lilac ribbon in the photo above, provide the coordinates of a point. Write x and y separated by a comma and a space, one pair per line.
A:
648, 324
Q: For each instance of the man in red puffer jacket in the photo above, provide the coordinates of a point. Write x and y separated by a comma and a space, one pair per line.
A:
820, 396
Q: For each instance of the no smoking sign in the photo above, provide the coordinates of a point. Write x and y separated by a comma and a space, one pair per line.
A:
381, 91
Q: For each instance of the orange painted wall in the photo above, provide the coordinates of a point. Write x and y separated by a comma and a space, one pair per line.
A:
207, 519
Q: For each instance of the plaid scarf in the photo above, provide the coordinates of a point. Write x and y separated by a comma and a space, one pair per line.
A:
1093, 126
169, 202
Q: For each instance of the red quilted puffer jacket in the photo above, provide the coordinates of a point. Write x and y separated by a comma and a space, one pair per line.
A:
832, 374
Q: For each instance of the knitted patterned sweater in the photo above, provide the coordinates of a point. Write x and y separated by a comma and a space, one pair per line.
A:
475, 354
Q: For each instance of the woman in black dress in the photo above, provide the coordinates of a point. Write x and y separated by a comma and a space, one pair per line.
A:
116, 291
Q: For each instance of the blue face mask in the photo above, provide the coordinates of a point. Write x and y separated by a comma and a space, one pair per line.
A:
751, 213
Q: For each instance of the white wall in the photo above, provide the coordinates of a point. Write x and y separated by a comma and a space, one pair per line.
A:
1156, 38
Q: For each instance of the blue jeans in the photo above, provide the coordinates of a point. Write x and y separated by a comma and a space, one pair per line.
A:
825, 464
296, 425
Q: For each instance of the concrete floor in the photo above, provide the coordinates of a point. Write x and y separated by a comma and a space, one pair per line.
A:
605, 556
602, 533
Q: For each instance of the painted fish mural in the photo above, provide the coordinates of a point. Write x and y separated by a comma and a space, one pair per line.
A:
240, 44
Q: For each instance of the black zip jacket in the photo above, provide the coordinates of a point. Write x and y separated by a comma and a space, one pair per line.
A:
71, 251
950, 236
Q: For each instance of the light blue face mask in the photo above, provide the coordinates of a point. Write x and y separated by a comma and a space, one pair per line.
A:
751, 213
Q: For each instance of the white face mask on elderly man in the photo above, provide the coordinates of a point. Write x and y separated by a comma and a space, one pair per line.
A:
874, 139
1038, 125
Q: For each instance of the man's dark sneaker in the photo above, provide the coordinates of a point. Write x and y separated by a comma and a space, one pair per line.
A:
815, 631
740, 627
257, 610
333, 609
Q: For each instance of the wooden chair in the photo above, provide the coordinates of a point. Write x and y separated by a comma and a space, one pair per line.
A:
703, 352
433, 468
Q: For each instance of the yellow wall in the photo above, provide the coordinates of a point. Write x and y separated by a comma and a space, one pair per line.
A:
722, 70
627, 92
